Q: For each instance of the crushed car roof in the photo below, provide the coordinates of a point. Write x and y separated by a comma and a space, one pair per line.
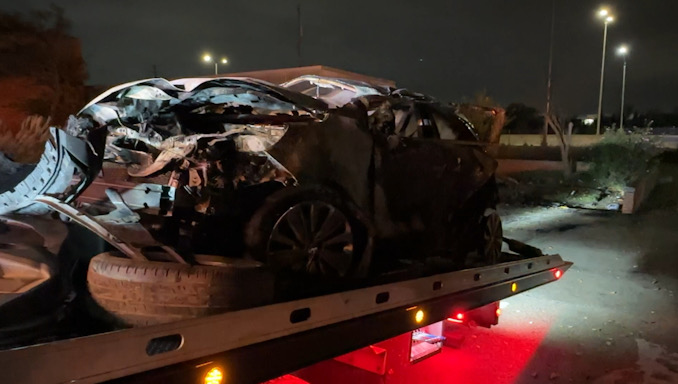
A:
334, 91
179, 90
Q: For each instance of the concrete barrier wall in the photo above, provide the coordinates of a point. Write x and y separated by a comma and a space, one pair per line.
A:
510, 166
551, 140
666, 141
636, 195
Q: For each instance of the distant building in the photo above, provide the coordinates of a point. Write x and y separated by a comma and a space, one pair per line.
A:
589, 119
282, 75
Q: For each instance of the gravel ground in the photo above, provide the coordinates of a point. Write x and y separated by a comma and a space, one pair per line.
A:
612, 318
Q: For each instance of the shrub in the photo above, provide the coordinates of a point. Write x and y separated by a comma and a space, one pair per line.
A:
621, 157
26, 145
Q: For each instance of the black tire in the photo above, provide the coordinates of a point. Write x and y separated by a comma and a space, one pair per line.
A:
471, 225
141, 293
491, 237
274, 210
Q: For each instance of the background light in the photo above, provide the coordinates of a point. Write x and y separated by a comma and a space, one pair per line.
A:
623, 50
207, 58
609, 19
603, 12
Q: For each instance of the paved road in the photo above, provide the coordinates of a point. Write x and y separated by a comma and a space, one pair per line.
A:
613, 318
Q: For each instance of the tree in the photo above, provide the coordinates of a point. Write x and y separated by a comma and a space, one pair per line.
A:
27, 144
523, 119
486, 115
43, 66
564, 135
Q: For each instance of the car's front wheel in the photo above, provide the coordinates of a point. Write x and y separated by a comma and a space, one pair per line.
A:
310, 232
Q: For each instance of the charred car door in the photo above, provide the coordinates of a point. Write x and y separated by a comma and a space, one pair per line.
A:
424, 172
335, 152
458, 136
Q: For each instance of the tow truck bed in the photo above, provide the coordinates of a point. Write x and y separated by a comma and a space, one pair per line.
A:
258, 344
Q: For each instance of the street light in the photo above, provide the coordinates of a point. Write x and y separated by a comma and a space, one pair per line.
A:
605, 15
550, 72
623, 51
209, 59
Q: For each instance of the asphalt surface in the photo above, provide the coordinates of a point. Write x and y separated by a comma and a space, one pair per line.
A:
612, 318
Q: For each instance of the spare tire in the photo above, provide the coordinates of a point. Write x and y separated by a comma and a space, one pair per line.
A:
151, 292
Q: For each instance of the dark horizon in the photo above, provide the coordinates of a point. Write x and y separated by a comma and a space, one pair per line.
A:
451, 51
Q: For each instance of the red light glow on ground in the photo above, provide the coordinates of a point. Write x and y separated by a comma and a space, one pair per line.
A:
507, 348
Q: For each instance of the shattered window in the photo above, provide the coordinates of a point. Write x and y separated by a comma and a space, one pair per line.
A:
333, 96
426, 129
462, 128
414, 122
408, 126
445, 130
305, 87
450, 125
400, 119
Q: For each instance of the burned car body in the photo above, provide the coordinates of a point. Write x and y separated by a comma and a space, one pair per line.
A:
301, 179
318, 182
221, 146
432, 181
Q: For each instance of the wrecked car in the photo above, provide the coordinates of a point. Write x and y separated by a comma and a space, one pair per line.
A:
316, 180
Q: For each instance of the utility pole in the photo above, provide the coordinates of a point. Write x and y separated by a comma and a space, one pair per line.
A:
548, 83
608, 19
602, 76
300, 36
621, 115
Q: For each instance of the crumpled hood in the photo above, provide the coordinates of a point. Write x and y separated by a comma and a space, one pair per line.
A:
153, 123
152, 96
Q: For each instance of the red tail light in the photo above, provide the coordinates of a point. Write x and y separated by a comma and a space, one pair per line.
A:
557, 273
457, 318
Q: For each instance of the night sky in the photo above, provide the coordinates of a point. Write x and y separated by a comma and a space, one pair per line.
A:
450, 49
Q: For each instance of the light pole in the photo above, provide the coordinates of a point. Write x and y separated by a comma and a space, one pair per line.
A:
623, 51
605, 15
548, 82
208, 59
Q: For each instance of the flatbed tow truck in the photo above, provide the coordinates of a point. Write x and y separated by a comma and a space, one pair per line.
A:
354, 326
263, 343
